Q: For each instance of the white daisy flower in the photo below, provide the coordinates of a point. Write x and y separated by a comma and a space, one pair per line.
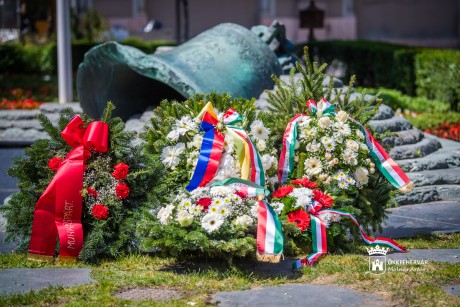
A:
212, 222
278, 207
343, 185
329, 147
170, 155
164, 214
259, 131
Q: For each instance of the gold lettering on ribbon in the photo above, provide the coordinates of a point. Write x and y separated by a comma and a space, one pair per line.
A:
68, 224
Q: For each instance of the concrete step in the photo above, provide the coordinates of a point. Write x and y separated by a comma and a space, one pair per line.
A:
436, 177
427, 145
446, 157
425, 194
394, 124
385, 112
404, 137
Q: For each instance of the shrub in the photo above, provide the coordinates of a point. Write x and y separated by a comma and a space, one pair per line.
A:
430, 120
438, 75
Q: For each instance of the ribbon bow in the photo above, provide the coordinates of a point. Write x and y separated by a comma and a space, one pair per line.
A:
58, 211
317, 211
213, 144
387, 166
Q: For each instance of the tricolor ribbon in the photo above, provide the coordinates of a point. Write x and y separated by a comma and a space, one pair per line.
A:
213, 144
58, 211
270, 240
387, 166
319, 237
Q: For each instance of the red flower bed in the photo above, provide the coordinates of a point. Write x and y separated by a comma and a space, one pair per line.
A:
23, 104
446, 130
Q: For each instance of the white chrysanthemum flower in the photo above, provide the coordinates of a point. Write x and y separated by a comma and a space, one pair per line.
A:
326, 140
360, 134
223, 210
184, 218
302, 195
350, 180
255, 210
311, 133
259, 131
196, 142
304, 122
197, 193
170, 155
313, 166
363, 147
343, 129
352, 145
313, 146
268, 161
244, 221
352, 161
212, 222
213, 209
186, 203
185, 124
261, 145
164, 214
341, 116
349, 154
173, 135
277, 206
217, 201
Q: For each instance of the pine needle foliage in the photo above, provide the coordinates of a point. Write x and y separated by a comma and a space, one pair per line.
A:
108, 238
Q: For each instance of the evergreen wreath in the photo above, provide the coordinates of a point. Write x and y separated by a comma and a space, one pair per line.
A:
367, 201
115, 191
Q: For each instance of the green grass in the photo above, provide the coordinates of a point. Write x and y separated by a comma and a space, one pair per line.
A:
198, 281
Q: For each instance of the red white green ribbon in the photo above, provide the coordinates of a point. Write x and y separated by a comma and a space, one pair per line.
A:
270, 239
388, 167
319, 238
243, 187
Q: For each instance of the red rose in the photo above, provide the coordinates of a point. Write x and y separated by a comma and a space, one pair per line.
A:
204, 202
92, 192
323, 198
283, 191
300, 217
120, 171
122, 190
305, 182
100, 211
54, 163
241, 194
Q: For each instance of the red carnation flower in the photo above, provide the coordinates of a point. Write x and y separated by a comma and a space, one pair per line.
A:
323, 198
204, 202
283, 191
241, 194
305, 182
120, 171
300, 217
92, 192
122, 190
100, 212
54, 163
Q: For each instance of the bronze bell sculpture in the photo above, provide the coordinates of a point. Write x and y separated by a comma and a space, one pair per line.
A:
226, 58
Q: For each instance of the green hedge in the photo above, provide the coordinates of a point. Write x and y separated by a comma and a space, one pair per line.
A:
18, 59
437, 75
430, 73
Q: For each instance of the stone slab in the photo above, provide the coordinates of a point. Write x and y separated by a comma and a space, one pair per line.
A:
294, 295
8, 183
432, 177
394, 124
155, 294
412, 220
442, 255
24, 280
452, 289
423, 148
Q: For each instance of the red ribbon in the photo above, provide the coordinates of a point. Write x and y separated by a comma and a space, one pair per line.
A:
58, 211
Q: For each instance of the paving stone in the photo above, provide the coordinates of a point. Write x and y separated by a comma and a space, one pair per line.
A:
441, 255
18, 114
411, 220
27, 124
435, 177
54, 107
156, 294
448, 192
452, 289
297, 295
385, 112
441, 159
394, 124
404, 137
24, 280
